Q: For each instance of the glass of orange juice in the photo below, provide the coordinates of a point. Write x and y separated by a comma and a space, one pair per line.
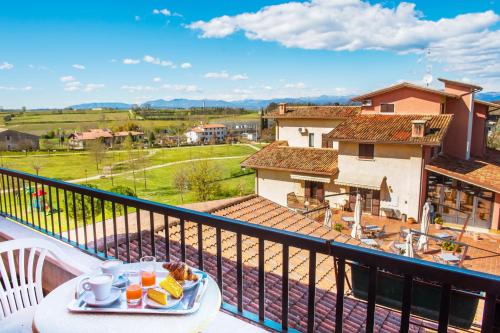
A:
134, 289
148, 276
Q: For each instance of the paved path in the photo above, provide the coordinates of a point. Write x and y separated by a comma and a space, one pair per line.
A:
82, 180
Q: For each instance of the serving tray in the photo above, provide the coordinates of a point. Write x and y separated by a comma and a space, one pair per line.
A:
190, 301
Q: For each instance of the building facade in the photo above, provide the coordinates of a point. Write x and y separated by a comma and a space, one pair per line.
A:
404, 144
15, 140
80, 140
209, 133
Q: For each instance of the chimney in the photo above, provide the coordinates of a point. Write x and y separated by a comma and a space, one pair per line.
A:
281, 108
419, 128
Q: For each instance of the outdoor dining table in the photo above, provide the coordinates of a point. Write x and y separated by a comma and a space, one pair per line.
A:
349, 220
444, 236
449, 258
52, 315
369, 242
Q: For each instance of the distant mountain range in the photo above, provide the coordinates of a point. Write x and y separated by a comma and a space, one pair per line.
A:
251, 104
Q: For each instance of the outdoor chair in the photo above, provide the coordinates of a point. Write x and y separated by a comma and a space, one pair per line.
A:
21, 280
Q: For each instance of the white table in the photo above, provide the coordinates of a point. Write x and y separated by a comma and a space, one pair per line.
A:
52, 315
449, 257
369, 242
444, 236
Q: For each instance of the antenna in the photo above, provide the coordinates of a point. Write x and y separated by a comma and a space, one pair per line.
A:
428, 71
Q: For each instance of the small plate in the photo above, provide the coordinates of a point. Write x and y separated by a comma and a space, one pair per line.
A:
89, 298
191, 284
171, 302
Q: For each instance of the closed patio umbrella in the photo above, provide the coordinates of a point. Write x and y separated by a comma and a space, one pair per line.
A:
424, 227
409, 246
356, 227
327, 222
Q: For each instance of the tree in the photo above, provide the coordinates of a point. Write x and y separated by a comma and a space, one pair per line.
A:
151, 138
128, 145
123, 190
97, 152
181, 182
203, 179
83, 203
36, 165
25, 145
178, 130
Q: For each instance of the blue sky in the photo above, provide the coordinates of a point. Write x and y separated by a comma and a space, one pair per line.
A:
60, 53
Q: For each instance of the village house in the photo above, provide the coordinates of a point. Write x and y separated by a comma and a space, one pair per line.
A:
80, 140
404, 144
15, 140
208, 133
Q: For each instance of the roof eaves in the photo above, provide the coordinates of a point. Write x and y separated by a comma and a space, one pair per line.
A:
399, 86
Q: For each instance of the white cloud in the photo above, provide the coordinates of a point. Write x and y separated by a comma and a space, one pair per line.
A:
189, 88
164, 11
225, 76
137, 88
298, 85
10, 88
242, 91
157, 79
186, 65
158, 61
78, 66
93, 86
6, 66
129, 61
463, 43
68, 78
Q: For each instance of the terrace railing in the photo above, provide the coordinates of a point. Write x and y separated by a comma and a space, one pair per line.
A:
56, 208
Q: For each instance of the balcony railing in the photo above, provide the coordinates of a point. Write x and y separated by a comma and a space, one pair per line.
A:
62, 207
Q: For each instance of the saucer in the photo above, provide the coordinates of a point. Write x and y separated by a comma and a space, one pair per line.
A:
120, 282
89, 298
171, 302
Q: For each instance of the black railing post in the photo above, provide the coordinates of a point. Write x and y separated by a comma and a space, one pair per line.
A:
339, 303
239, 272
444, 308
284, 288
311, 295
406, 304
200, 245
372, 294
104, 232
152, 233
262, 283
167, 237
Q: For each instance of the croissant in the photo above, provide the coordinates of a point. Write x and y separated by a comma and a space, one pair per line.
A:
180, 271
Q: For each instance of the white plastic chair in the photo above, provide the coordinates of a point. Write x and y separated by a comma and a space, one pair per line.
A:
21, 281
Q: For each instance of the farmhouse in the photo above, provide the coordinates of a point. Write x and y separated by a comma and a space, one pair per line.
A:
403, 145
79, 140
15, 140
207, 133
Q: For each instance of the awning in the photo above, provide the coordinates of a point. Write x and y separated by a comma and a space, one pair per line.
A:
310, 178
371, 182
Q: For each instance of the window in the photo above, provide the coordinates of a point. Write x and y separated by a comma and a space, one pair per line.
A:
311, 139
387, 108
366, 151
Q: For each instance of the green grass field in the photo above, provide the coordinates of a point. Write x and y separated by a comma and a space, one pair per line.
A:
39, 123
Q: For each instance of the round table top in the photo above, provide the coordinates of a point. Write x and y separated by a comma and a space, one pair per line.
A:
53, 316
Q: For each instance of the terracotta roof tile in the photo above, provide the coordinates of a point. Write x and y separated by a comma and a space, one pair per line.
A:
389, 129
315, 112
480, 172
400, 86
275, 215
279, 156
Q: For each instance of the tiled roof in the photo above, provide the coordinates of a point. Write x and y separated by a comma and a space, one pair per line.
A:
279, 156
126, 133
262, 211
390, 129
460, 83
483, 173
494, 105
315, 112
399, 86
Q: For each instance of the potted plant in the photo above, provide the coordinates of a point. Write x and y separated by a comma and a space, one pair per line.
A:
450, 247
338, 227
438, 221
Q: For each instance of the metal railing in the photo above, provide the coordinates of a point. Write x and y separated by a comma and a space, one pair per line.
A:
58, 208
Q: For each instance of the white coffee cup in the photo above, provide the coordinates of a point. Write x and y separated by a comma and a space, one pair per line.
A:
113, 267
99, 285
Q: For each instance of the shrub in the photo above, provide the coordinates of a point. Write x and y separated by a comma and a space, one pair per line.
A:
439, 220
338, 227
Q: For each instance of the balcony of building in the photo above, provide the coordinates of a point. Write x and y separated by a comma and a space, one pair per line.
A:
279, 280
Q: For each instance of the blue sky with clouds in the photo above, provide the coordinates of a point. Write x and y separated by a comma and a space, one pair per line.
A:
57, 53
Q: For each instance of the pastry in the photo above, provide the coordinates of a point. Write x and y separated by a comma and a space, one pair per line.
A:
180, 271
158, 295
172, 286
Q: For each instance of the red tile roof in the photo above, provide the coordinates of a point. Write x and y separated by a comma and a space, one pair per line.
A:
262, 211
389, 129
400, 86
279, 156
484, 173
315, 112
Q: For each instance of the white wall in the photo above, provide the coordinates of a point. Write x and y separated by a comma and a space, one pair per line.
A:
288, 129
400, 164
275, 185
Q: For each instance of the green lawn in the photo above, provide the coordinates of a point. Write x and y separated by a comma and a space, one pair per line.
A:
66, 166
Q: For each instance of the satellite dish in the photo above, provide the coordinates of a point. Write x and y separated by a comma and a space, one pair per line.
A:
428, 79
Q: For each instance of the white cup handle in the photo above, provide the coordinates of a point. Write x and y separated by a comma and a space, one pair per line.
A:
86, 286
79, 286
